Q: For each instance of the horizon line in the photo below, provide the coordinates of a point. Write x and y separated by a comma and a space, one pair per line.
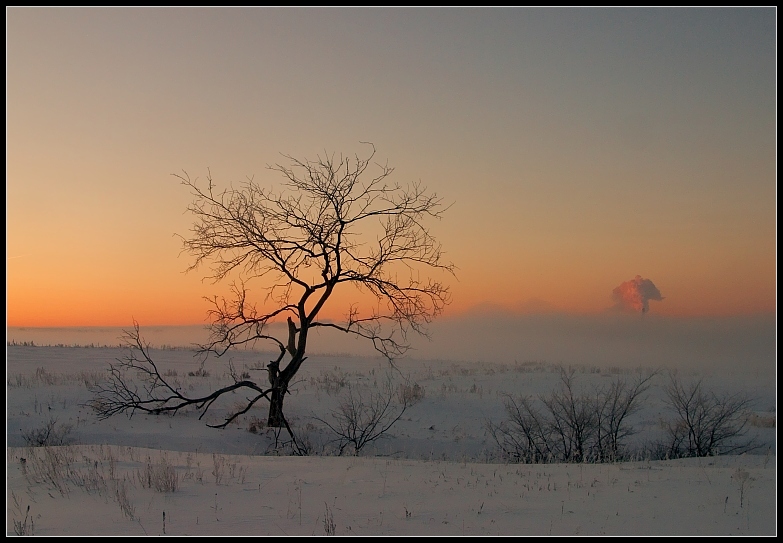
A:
611, 312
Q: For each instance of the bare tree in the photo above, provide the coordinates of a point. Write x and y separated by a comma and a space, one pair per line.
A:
706, 423
333, 225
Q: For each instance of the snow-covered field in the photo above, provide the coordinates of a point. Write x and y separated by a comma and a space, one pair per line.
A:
438, 472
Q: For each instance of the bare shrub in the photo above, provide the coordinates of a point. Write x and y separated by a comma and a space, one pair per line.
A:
48, 435
573, 419
363, 418
570, 425
526, 436
614, 404
706, 423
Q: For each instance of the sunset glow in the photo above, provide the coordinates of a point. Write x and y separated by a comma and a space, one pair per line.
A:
578, 148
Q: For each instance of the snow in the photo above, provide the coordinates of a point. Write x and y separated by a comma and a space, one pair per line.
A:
438, 472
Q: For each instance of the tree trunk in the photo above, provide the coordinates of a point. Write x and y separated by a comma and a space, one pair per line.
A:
279, 385
275, 419
280, 379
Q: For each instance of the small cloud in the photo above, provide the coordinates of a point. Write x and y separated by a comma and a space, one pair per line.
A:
635, 295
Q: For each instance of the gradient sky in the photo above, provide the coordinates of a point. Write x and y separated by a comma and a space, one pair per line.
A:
580, 147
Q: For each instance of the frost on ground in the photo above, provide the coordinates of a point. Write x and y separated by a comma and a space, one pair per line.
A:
437, 473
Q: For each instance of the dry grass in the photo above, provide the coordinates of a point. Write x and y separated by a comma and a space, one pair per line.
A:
26, 526
410, 394
225, 469
43, 377
255, 425
121, 497
331, 381
762, 421
159, 475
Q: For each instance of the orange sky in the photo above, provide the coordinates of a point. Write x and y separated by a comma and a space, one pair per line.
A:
579, 148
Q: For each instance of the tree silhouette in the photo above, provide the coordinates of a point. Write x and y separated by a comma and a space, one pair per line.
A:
333, 225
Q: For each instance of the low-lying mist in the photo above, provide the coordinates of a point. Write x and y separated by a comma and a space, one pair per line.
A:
624, 340
720, 344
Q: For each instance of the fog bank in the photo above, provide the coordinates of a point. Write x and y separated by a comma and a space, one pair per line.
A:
725, 344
